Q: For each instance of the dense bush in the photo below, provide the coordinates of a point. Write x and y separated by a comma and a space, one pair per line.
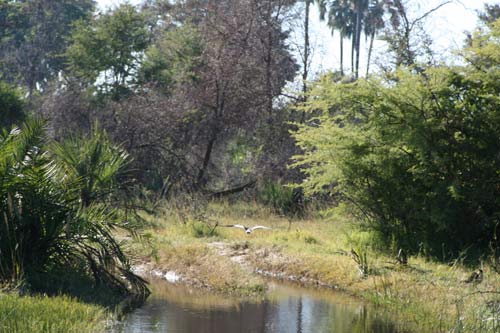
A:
45, 223
417, 154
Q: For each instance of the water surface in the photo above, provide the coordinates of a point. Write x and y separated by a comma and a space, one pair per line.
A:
286, 308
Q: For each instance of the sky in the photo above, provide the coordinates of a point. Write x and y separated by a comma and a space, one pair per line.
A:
446, 27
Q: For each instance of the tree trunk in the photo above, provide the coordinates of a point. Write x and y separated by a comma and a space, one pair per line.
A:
201, 180
305, 59
353, 50
358, 39
269, 60
341, 55
305, 71
370, 49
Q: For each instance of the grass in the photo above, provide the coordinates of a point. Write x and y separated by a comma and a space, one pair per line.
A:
425, 294
49, 314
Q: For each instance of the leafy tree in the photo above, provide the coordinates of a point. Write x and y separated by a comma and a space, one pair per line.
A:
108, 51
224, 68
405, 35
416, 154
11, 106
490, 14
33, 35
484, 50
175, 58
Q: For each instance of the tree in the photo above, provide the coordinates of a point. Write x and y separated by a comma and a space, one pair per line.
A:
339, 18
236, 65
11, 106
33, 36
174, 58
490, 14
108, 52
352, 18
405, 35
416, 154
307, 49
374, 24
44, 225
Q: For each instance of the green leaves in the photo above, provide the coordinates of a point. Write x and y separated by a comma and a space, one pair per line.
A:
56, 207
11, 106
108, 51
92, 164
33, 37
175, 58
417, 155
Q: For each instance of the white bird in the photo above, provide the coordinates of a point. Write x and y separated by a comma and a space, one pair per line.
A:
247, 230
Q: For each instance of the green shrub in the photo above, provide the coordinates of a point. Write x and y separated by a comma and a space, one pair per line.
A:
283, 199
45, 221
417, 155
202, 230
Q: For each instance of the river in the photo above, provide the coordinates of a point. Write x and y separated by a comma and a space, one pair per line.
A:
286, 308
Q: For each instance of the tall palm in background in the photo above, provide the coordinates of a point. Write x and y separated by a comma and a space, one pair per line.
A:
374, 23
338, 16
352, 18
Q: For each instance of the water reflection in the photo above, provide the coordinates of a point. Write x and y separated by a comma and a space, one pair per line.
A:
174, 308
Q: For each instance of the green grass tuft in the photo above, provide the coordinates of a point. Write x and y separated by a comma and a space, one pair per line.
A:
49, 314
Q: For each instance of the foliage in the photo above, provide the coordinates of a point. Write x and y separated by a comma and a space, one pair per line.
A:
44, 223
11, 106
416, 155
34, 35
43, 314
174, 58
283, 199
93, 166
108, 51
408, 42
490, 14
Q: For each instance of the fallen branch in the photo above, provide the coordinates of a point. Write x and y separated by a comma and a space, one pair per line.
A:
233, 190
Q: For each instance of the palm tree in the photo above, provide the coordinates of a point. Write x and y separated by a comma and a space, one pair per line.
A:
374, 23
93, 164
360, 9
44, 223
352, 18
338, 15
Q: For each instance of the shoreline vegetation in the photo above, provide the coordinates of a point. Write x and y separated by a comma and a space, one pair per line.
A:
59, 314
423, 295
